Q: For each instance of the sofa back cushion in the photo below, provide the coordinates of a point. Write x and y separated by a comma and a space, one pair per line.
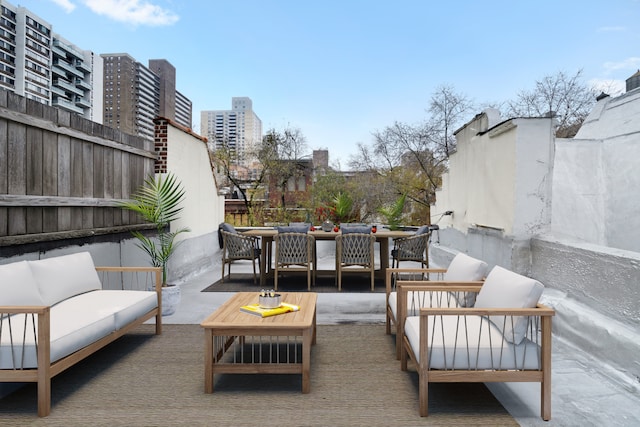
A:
62, 277
18, 286
464, 268
506, 289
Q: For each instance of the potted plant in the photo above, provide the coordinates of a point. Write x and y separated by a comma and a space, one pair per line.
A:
393, 212
157, 201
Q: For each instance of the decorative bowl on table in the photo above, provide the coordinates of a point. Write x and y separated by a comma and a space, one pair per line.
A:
269, 301
327, 226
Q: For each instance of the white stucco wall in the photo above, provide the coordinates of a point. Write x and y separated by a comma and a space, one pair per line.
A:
188, 159
596, 178
500, 177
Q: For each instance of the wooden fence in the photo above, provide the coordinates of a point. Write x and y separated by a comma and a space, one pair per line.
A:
61, 175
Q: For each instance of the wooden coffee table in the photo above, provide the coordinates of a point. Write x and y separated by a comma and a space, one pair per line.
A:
242, 343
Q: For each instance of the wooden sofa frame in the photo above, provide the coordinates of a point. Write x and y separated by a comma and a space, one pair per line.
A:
391, 281
46, 370
427, 375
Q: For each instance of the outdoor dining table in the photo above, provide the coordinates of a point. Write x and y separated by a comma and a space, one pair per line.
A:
267, 236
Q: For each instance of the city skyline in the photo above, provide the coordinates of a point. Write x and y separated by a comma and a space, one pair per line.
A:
340, 71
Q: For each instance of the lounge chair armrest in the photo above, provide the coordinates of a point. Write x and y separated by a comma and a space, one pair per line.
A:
439, 286
392, 271
24, 309
471, 311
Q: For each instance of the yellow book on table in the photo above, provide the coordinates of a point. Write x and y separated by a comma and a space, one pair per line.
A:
256, 310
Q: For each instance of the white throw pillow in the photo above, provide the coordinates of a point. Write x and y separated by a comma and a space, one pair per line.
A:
506, 289
18, 286
62, 277
464, 268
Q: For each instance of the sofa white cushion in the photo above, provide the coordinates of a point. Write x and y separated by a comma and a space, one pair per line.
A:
468, 348
464, 268
18, 286
506, 289
125, 305
61, 277
74, 325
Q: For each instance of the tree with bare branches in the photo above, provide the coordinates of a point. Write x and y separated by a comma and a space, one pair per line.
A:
409, 160
562, 96
448, 111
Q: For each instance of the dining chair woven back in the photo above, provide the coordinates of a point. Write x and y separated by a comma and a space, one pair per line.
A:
414, 248
237, 247
295, 252
355, 252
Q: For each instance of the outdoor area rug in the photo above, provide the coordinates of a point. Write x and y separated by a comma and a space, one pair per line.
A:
148, 380
292, 282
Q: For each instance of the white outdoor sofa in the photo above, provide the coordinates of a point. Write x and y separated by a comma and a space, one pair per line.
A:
463, 270
504, 337
55, 312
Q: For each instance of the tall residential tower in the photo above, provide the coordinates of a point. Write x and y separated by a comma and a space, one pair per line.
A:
240, 127
134, 95
41, 65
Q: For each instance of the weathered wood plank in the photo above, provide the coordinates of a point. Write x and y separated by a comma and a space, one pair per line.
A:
17, 159
76, 171
4, 157
42, 201
50, 220
44, 237
64, 162
35, 172
4, 222
98, 183
62, 127
17, 218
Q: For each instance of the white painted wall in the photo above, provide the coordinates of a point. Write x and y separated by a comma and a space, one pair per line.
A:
500, 177
188, 159
596, 196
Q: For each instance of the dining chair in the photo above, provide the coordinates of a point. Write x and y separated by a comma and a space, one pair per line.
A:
412, 248
295, 252
355, 252
235, 247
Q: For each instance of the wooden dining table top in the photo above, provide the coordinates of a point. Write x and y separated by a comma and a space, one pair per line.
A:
327, 235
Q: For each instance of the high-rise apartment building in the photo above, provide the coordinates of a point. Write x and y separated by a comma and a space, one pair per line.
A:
41, 65
239, 127
134, 95
173, 104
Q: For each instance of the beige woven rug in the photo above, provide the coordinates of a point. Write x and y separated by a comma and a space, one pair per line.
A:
148, 380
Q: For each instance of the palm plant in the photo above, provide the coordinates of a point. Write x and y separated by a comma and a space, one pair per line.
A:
157, 201
393, 212
342, 205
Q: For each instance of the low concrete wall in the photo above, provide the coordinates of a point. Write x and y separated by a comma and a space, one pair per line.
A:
489, 245
606, 279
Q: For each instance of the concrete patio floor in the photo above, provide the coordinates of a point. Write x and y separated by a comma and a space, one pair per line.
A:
585, 392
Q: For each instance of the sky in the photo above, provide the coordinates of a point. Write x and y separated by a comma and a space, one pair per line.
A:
340, 70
